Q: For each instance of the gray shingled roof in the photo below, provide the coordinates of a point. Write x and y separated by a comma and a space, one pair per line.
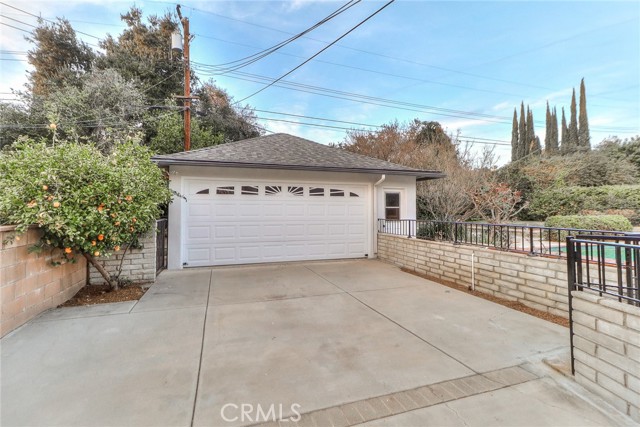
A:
283, 151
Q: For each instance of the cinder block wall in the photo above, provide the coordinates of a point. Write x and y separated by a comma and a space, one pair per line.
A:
29, 284
537, 282
607, 349
138, 265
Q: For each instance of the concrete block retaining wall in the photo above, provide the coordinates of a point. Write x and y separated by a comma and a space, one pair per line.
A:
537, 282
138, 265
607, 349
29, 283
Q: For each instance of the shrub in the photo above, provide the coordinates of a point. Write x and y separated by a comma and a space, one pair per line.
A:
86, 203
588, 222
573, 200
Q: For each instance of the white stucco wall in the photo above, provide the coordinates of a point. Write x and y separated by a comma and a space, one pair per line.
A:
405, 185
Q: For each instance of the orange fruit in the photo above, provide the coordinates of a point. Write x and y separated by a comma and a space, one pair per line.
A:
93, 243
134, 219
117, 223
100, 236
116, 248
56, 204
128, 198
45, 187
96, 253
52, 126
67, 250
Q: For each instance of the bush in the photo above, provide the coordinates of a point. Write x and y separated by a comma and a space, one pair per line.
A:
86, 203
589, 222
574, 200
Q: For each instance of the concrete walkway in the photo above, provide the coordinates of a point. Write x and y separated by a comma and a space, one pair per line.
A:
341, 343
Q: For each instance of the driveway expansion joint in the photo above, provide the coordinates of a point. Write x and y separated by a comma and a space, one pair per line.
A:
388, 405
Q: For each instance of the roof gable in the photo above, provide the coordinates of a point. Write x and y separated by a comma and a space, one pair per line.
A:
284, 151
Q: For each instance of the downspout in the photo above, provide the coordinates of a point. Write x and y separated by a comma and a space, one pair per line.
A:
375, 215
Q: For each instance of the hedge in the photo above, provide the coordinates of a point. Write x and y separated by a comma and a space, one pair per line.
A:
590, 222
576, 200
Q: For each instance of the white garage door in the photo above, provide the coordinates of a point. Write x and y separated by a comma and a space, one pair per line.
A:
242, 222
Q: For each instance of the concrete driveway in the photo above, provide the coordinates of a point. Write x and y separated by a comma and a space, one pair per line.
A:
341, 343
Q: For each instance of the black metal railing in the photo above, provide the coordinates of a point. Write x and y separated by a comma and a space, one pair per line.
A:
606, 265
533, 240
161, 245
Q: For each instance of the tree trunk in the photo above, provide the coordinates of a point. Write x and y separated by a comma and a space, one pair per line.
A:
107, 277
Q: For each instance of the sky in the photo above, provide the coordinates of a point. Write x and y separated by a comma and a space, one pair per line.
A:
464, 64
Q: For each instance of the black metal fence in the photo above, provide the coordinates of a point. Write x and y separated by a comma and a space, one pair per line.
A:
533, 240
606, 265
161, 245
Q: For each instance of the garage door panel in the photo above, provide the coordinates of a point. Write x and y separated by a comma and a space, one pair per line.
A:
224, 209
199, 209
273, 226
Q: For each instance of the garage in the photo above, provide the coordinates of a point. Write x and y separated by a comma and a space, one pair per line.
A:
279, 198
243, 222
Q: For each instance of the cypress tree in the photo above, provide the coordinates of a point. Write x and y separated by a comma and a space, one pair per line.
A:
531, 133
514, 137
573, 125
556, 142
548, 133
551, 139
584, 138
564, 143
522, 134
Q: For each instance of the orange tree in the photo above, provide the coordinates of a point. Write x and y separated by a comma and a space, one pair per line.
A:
86, 203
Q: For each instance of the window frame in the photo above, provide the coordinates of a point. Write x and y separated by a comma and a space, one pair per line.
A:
388, 207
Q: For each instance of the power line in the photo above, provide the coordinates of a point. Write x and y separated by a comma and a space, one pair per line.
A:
20, 29
319, 52
243, 62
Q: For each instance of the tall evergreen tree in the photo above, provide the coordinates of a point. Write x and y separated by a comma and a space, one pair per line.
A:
547, 130
514, 137
573, 125
556, 142
584, 139
564, 143
551, 138
522, 133
531, 134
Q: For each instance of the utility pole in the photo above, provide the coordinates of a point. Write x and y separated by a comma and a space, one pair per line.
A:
187, 81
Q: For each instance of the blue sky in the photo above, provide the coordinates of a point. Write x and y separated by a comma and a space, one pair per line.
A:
464, 64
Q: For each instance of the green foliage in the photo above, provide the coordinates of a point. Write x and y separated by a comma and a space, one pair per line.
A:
169, 137
143, 52
590, 222
85, 202
105, 108
514, 136
584, 139
58, 57
574, 200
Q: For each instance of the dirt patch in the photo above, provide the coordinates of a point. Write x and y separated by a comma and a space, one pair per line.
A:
511, 304
101, 294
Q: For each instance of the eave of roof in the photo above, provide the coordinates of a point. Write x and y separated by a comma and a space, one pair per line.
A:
420, 175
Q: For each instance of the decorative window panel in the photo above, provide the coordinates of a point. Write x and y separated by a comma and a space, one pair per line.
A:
296, 191
249, 190
226, 190
205, 191
352, 194
271, 190
316, 191
334, 192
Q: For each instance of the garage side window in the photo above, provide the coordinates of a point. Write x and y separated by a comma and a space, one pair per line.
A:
335, 192
392, 205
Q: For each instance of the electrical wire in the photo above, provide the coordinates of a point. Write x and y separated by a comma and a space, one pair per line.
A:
319, 52
243, 62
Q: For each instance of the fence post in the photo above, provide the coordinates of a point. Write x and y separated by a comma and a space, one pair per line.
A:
571, 285
455, 233
531, 251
